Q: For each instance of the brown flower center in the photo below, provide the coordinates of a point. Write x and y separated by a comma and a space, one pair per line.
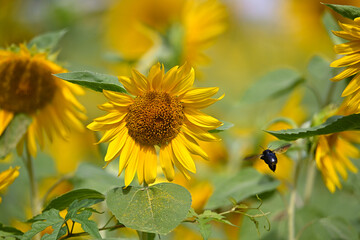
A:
25, 85
154, 118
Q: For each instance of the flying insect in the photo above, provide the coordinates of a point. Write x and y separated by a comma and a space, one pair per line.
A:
269, 156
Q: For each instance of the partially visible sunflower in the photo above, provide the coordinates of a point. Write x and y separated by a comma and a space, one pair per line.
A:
163, 112
27, 85
351, 61
135, 28
334, 151
7, 177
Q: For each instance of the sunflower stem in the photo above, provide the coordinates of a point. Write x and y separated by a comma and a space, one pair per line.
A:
35, 208
292, 201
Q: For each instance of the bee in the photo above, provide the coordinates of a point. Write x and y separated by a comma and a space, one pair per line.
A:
269, 156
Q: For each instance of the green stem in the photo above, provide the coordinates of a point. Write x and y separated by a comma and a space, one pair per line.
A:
292, 201
35, 208
311, 173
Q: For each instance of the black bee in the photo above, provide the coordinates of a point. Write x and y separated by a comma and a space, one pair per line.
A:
269, 156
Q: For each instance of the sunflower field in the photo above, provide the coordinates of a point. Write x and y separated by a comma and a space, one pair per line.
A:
180, 119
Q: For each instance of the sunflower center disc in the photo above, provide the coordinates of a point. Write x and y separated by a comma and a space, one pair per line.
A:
154, 118
26, 85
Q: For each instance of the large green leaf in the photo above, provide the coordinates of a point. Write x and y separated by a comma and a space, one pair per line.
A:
155, 209
273, 84
13, 134
64, 201
345, 10
47, 41
330, 228
246, 183
94, 81
48, 218
332, 125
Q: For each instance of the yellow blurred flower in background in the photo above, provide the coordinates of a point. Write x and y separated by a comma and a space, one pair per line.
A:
7, 177
164, 112
136, 28
28, 86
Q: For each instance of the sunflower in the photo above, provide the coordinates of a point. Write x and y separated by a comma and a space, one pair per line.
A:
27, 85
334, 151
7, 177
162, 113
137, 28
351, 61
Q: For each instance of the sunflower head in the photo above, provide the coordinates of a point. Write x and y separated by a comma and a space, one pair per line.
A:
26, 82
162, 112
27, 85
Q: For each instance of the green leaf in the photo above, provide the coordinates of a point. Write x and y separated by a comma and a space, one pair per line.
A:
332, 125
47, 41
94, 81
9, 232
225, 126
204, 220
64, 201
272, 85
13, 133
331, 228
155, 209
75, 213
331, 25
246, 183
345, 10
49, 218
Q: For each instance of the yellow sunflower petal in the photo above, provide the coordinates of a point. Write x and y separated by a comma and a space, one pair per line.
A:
198, 133
140, 166
201, 119
5, 119
140, 80
353, 29
110, 134
202, 104
199, 94
111, 118
182, 154
150, 169
130, 86
156, 76
344, 35
166, 162
132, 165
31, 140
125, 153
116, 145
185, 80
168, 81
349, 71
192, 146
120, 98
347, 48
346, 60
352, 86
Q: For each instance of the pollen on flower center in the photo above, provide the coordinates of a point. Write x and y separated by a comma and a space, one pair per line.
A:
154, 118
26, 85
